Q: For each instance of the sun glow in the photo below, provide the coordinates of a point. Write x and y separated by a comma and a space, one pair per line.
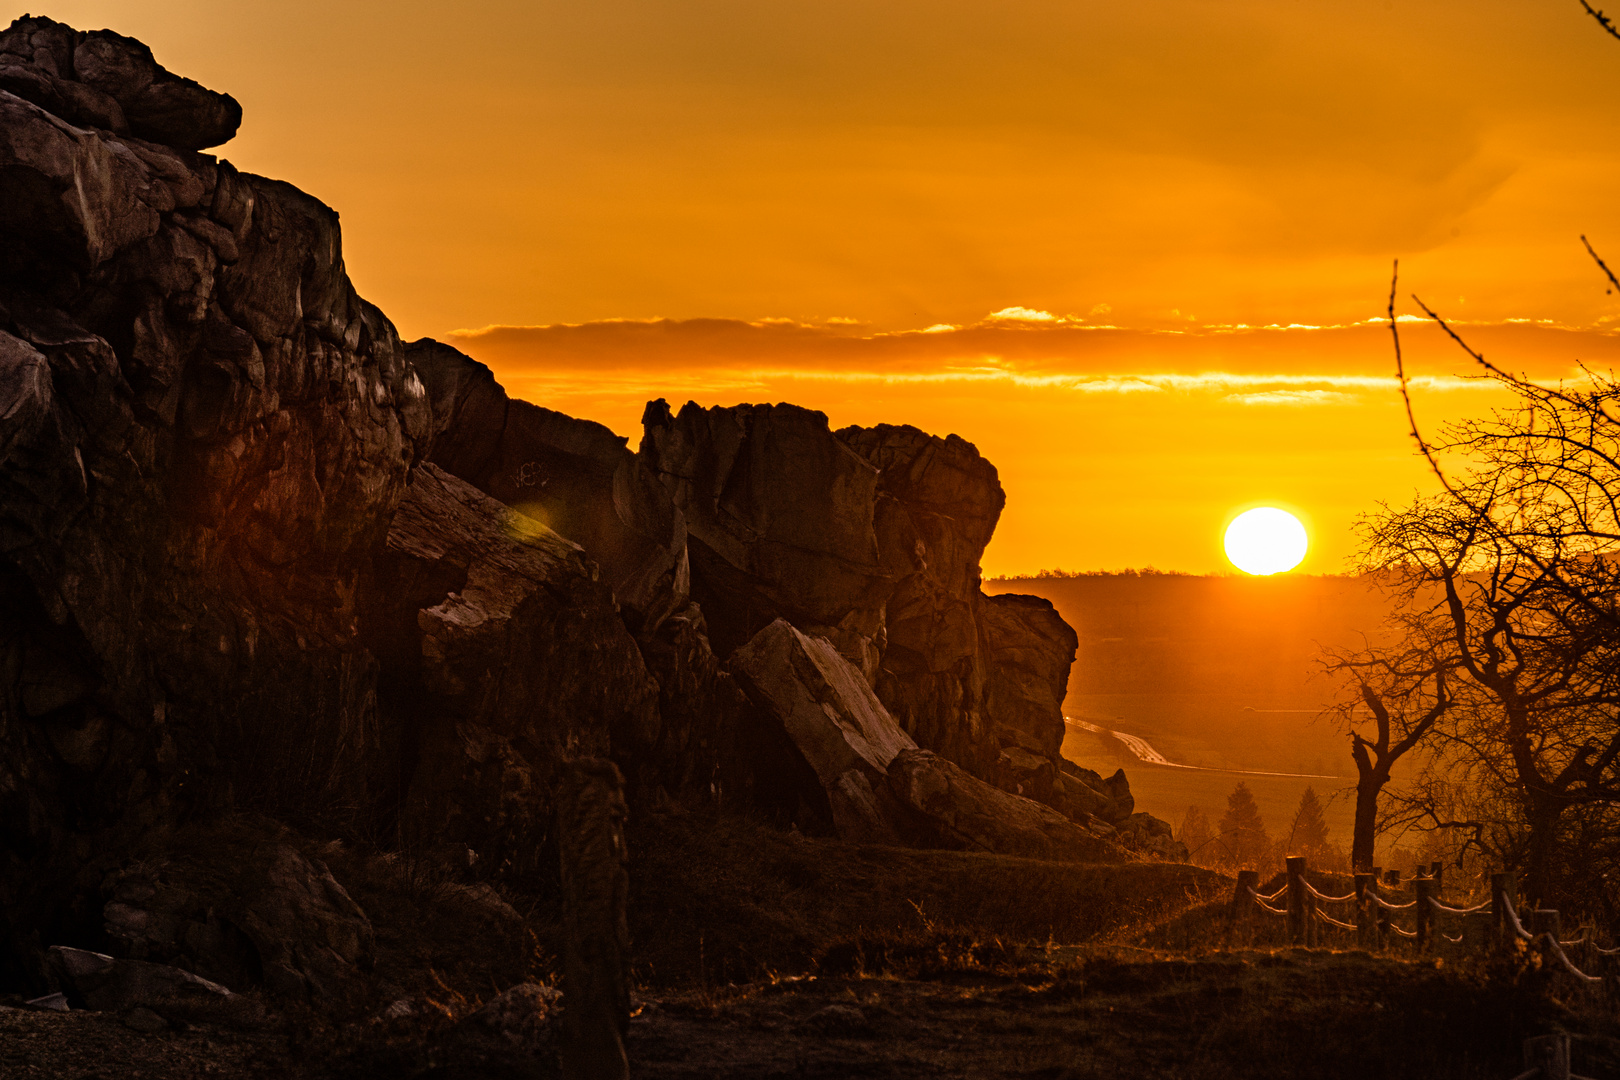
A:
1266, 540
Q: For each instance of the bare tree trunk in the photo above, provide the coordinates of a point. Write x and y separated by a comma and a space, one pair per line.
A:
1368, 786
595, 883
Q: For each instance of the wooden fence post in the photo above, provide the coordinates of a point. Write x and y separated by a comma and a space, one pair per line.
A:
1550, 1054
1245, 908
1380, 916
1298, 911
595, 889
1392, 878
1365, 927
1501, 897
1423, 887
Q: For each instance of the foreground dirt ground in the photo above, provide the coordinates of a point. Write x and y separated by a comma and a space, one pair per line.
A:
1104, 1011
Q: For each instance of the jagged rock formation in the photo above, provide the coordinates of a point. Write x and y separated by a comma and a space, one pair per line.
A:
779, 517
278, 918
256, 553
576, 476
105, 80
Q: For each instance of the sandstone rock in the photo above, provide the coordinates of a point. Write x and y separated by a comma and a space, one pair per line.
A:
502, 653
954, 809
204, 432
834, 720
1086, 790
105, 80
106, 984
779, 517
1029, 650
937, 505
273, 917
574, 475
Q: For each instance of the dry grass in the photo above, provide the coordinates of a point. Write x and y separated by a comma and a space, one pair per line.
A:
724, 899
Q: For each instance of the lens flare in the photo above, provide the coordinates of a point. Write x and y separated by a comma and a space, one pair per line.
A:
1266, 540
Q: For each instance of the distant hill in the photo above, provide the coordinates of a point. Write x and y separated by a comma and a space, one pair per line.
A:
1173, 633
1215, 672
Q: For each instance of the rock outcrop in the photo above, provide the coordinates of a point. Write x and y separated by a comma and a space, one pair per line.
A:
204, 432
779, 518
104, 80
256, 553
275, 919
953, 809
576, 476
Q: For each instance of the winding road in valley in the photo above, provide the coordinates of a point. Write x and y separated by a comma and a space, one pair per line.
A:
1145, 753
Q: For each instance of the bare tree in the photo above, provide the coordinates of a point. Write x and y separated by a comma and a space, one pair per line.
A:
1513, 572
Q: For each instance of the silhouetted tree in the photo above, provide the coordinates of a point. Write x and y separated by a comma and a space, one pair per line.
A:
1243, 831
1309, 834
1512, 573
1196, 833
1402, 688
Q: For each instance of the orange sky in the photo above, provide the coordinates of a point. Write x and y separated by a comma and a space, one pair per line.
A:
798, 189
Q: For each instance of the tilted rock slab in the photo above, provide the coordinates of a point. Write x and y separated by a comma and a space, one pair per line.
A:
837, 724
956, 810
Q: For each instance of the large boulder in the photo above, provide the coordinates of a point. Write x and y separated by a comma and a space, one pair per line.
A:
243, 914
840, 729
502, 654
105, 80
779, 517
577, 476
953, 809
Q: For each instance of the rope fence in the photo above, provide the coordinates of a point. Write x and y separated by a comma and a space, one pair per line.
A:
1374, 915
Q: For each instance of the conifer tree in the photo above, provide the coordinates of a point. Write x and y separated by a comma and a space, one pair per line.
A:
1243, 832
1195, 832
1309, 835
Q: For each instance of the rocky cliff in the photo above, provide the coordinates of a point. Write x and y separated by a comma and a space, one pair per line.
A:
256, 553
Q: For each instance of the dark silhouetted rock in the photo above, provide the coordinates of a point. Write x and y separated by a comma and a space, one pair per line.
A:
953, 809
834, 720
504, 654
1029, 650
1149, 835
204, 432
779, 522
106, 984
574, 475
104, 80
266, 914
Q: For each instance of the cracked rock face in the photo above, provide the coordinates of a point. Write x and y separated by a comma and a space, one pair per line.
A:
204, 432
99, 79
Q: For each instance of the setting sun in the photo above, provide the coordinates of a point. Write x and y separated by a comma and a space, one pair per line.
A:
1266, 540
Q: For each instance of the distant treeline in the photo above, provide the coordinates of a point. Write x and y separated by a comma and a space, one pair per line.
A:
1047, 575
